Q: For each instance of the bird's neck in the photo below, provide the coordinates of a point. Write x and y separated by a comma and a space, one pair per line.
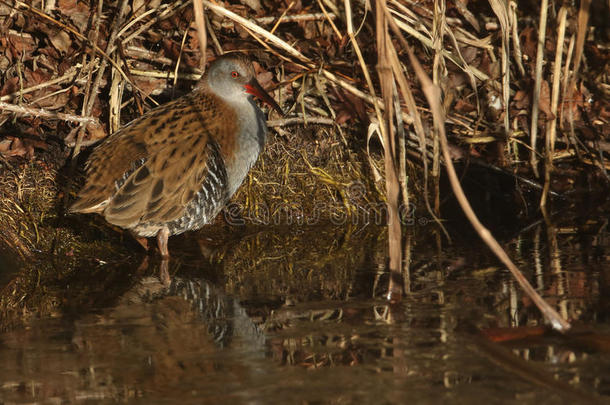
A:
250, 141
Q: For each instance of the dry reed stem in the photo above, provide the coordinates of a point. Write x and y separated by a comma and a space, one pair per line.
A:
407, 95
583, 19
514, 24
49, 95
116, 95
551, 130
439, 70
386, 80
500, 8
201, 33
433, 96
330, 21
566, 77
544, 5
139, 53
213, 36
300, 120
363, 66
428, 43
359, 93
467, 67
97, 17
94, 61
134, 21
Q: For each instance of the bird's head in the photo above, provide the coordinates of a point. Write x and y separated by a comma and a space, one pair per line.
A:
232, 76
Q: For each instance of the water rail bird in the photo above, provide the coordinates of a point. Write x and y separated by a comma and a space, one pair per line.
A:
173, 169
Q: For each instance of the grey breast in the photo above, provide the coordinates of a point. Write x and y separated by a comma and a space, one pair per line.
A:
250, 142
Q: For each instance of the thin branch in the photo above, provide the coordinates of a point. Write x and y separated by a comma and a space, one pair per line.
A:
42, 113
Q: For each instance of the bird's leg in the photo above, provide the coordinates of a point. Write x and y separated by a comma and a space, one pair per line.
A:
164, 276
162, 237
143, 242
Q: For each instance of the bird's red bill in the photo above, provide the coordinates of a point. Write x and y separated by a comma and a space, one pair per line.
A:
254, 88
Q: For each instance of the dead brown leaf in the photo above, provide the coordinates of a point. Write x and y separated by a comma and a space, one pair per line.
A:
545, 100
77, 11
61, 41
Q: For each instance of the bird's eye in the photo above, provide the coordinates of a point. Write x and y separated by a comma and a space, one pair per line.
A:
234, 74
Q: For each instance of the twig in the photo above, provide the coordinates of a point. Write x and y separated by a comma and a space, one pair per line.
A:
40, 112
296, 18
165, 75
300, 120
215, 40
69, 75
279, 20
167, 12
255, 28
330, 21
186, 31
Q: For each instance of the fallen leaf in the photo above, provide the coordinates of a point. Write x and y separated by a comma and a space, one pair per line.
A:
61, 41
544, 102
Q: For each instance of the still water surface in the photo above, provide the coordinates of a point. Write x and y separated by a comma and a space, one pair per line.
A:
299, 317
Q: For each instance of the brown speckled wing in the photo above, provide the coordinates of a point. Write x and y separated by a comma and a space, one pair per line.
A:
159, 190
150, 170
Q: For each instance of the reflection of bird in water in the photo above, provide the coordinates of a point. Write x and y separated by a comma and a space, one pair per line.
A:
223, 316
163, 339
